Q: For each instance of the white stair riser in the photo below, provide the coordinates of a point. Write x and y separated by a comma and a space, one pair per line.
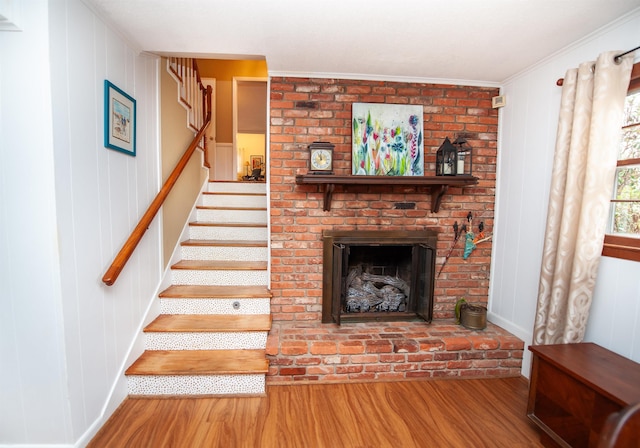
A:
237, 187
227, 233
224, 253
234, 200
219, 277
232, 216
232, 306
246, 340
247, 384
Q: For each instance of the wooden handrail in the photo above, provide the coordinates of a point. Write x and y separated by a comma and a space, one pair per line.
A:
129, 246
206, 108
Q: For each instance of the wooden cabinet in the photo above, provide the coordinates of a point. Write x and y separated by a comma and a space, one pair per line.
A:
575, 387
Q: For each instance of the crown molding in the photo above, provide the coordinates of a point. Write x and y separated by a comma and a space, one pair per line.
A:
387, 78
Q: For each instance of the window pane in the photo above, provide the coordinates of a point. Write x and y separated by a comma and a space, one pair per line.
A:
626, 218
632, 109
626, 215
623, 224
630, 144
628, 183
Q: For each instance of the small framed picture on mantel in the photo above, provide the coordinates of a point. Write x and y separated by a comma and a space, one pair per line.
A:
256, 162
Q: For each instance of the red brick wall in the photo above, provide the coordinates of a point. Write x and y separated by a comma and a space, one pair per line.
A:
305, 110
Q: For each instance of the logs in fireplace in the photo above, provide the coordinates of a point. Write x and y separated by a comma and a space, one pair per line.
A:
378, 275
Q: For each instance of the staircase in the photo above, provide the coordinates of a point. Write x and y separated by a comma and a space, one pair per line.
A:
211, 334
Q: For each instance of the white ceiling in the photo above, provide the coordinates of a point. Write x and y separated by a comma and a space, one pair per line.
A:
485, 41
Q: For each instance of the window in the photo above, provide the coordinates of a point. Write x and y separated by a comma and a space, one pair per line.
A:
623, 229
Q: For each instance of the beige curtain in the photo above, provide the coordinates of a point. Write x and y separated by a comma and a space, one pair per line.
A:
581, 186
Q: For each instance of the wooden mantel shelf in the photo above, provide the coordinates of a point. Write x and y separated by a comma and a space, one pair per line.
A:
437, 184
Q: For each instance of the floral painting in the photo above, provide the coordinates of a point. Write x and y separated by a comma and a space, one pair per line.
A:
387, 140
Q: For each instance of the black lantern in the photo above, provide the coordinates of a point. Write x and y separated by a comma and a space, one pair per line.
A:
447, 159
464, 166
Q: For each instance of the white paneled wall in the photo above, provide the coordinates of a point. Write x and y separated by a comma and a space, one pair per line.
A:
526, 146
33, 393
100, 194
68, 205
615, 314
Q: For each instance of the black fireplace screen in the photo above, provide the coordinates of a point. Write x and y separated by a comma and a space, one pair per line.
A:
378, 275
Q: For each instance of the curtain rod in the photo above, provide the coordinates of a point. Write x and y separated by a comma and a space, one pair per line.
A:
616, 59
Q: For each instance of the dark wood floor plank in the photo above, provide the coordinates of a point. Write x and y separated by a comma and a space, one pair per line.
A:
436, 413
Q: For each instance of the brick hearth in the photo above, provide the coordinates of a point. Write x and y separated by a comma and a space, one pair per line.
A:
389, 351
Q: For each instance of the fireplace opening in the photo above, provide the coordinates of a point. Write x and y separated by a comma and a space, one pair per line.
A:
378, 275
378, 278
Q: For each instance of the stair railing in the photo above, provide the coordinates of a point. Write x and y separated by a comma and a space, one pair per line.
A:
200, 103
190, 95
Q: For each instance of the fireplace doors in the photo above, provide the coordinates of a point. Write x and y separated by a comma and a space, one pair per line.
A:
378, 275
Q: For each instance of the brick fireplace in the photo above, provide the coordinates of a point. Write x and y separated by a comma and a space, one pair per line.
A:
301, 346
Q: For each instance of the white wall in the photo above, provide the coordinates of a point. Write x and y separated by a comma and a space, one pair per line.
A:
68, 204
34, 399
525, 159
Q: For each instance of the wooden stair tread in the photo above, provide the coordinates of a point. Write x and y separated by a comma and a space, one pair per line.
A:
228, 224
199, 362
225, 265
234, 193
215, 291
213, 207
224, 243
215, 181
187, 323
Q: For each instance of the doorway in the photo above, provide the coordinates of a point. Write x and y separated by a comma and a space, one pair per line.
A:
219, 154
226, 162
250, 127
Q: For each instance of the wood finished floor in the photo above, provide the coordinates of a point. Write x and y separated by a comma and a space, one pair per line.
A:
437, 413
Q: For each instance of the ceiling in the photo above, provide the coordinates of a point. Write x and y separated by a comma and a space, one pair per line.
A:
485, 41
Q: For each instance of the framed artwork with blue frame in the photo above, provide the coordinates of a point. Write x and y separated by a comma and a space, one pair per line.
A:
119, 120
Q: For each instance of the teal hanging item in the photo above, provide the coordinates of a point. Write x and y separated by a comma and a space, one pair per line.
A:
469, 245
471, 239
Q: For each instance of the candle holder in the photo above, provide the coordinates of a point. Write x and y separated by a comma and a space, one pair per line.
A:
447, 159
464, 165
